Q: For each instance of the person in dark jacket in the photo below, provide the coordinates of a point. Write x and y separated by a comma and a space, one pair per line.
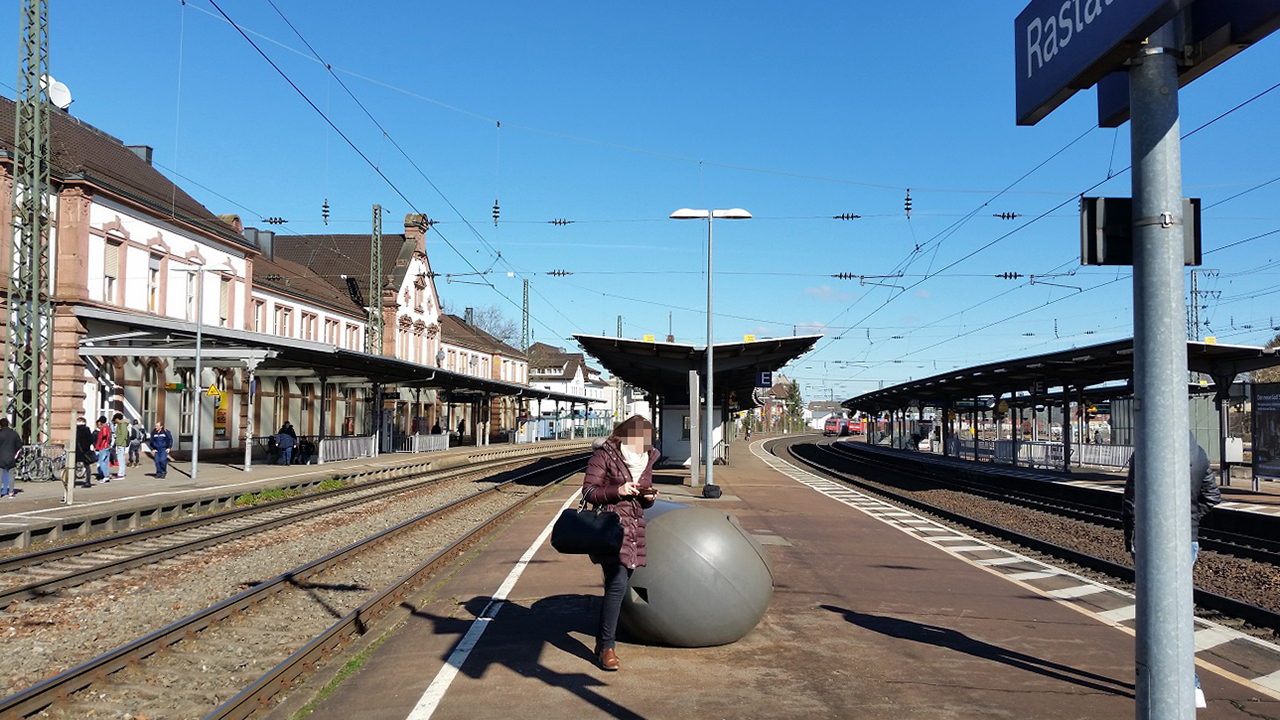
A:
1204, 495
85, 454
160, 441
620, 479
285, 440
10, 446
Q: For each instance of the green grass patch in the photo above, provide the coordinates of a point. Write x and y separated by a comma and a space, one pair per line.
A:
348, 668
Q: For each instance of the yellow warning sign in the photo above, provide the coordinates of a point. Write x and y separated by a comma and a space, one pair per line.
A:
748, 338
213, 391
648, 338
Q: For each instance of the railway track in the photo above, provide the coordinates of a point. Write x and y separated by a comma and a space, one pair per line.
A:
205, 665
836, 465
1083, 504
44, 573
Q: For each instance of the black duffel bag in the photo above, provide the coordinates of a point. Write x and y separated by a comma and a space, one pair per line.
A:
586, 531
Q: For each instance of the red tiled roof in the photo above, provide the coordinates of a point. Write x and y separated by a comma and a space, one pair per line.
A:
456, 331
83, 152
330, 257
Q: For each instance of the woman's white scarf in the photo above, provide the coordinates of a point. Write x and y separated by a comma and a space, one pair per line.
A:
636, 462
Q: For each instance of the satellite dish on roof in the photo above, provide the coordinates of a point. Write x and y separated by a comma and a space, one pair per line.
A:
59, 93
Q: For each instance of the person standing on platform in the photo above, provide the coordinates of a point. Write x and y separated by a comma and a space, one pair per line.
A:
102, 443
136, 437
620, 479
10, 446
84, 449
285, 440
122, 444
1204, 495
161, 440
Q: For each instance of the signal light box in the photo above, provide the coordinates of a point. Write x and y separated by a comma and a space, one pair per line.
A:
1106, 231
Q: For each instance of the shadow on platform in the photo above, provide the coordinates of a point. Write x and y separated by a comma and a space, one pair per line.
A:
958, 641
518, 643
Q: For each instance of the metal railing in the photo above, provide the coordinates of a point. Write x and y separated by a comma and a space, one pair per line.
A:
423, 443
1042, 454
348, 448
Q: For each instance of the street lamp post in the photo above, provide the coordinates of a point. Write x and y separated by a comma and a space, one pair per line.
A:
708, 429
198, 390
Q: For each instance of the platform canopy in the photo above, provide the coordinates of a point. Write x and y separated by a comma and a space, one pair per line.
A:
1093, 370
113, 334
663, 368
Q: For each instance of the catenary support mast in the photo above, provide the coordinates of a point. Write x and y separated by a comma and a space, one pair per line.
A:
373, 336
29, 331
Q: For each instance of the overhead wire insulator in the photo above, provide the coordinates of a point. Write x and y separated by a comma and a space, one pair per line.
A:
1007, 215
1009, 275
906, 205
274, 220
559, 273
496, 212
324, 211
845, 216
845, 276
560, 221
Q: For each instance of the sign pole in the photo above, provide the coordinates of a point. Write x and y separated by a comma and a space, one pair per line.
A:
1165, 643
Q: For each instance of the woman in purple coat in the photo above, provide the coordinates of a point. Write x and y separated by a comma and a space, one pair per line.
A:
620, 479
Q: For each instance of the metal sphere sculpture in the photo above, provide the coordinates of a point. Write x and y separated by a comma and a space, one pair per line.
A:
707, 582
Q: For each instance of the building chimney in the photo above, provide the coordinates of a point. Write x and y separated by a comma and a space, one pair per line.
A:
264, 240
142, 151
469, 316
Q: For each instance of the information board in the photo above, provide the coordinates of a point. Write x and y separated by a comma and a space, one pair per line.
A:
1266, 430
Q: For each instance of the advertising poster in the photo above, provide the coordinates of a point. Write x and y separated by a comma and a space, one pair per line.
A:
1266, 430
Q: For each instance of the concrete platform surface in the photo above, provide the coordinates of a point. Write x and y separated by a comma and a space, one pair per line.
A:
875, 614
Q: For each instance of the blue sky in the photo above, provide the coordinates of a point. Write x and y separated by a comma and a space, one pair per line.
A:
613, 115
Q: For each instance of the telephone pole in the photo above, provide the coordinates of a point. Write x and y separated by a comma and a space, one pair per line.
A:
373, 335
29, 330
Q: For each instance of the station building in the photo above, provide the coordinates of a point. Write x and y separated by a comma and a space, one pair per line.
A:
146, 279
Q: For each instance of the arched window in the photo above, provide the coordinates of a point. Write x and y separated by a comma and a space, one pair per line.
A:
307, 402
281, 406
150, 393
186, 406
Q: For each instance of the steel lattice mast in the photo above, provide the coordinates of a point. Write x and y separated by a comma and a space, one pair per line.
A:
373, 335
29, 336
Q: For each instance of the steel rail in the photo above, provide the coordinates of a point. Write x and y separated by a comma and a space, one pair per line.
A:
1248, 612
396, 480
291, 671
1096, 506
36, 698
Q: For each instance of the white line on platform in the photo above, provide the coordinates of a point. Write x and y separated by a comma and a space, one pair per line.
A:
1076, 591
1212, 637
434, 693
1271, 682
964, 548
1031, 575
1120, 614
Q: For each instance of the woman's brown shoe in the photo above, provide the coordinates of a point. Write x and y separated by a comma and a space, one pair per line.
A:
608, 659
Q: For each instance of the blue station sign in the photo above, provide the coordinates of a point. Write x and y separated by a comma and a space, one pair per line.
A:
1062, 46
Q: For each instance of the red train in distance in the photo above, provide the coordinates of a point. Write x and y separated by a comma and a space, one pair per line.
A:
842, 426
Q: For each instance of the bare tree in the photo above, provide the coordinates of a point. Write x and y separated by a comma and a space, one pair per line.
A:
492, 320
1271, 374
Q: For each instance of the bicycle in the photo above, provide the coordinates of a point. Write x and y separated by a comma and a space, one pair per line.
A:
40, 463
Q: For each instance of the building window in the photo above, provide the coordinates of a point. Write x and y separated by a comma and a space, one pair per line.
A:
110, 271
153, 284
224, 302
331, 332
308, 326
281, 401
259, 316
191, 301
284, 322
684, 434
150, 391
307, 401
353, 337
186, 408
